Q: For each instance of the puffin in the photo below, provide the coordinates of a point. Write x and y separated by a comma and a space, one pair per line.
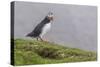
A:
42, 28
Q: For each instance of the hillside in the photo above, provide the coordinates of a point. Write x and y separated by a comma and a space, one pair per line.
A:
28, 52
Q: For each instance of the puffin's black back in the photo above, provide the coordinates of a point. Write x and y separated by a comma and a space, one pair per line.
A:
38, 29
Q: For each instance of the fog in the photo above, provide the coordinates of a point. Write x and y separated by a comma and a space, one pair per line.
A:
73, 25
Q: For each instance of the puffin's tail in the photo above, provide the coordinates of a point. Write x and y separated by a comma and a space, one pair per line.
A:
29, 35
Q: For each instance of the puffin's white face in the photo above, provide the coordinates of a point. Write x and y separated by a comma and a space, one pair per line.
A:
50, 16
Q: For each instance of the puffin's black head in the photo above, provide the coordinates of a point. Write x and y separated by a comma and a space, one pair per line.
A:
50, 16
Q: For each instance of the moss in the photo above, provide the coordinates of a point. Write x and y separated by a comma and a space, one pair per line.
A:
37, 52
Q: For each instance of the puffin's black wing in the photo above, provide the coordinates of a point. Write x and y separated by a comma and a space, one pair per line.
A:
38, 29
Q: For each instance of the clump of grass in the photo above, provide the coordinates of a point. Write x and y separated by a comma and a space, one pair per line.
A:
37, 52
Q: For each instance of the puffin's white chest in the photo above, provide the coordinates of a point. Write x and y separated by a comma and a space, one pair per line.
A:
45, 29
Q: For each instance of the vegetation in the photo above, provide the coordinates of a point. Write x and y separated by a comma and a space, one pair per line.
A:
28, 52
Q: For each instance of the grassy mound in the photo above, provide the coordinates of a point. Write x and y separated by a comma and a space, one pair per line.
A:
37, 52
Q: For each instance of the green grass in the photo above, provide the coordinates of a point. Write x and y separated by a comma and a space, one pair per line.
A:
29, 52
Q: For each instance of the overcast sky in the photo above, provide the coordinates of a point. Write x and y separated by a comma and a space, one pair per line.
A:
73, 25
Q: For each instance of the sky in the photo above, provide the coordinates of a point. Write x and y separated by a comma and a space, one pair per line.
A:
74, 25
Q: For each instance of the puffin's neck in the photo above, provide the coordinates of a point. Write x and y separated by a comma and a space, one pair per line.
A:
46, 20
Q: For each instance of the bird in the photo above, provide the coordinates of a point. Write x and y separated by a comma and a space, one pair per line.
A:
42, 28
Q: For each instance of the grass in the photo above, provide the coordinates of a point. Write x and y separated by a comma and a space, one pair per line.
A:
29, 52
